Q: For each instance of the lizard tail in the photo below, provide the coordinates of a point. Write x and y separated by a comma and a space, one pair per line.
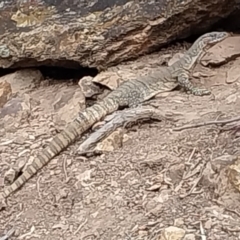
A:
72, 131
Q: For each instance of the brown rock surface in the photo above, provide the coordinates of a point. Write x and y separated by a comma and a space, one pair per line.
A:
23, 80
98, 33
228, 49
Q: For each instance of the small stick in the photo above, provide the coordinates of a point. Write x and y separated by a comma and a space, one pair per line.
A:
80, 226
8, 234
206, 124
203, 235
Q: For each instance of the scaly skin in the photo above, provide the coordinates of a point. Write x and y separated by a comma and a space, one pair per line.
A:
130, 93
181, 69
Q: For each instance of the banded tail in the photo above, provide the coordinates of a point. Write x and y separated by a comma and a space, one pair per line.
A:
63, 139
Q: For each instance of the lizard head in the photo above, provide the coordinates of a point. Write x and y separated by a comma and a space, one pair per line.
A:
214, 37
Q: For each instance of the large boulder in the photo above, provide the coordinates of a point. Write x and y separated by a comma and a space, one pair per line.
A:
98, 33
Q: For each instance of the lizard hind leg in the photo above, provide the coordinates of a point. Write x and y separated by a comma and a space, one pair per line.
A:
183, 80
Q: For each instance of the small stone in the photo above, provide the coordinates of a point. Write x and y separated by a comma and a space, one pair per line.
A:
179, 222
5, 92
234, 174
10, 176
31, 137
110, 79
12, 107
62, 194
35, 145
126, 138
112, 142
143, 233
190, 236
88, 88
208, 224
172, 233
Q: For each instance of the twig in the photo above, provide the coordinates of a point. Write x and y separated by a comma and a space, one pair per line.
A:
65, 169
38, 187
80, 226
117, 119
206, 124
30, 233
196, 181
202, 231
184, 174
8, 234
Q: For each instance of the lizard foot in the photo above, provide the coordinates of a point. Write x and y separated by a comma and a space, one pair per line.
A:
199, 92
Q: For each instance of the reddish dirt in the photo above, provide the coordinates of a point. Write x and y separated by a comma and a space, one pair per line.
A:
158, 178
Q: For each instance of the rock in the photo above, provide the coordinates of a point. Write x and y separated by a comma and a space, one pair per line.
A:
172, 233
233, 74
112, 142
71, 107
108, 79
5, 92
112, 79
10, 176
99, 33
88, 88
12, 107
229, 48
179, 222
190, 236
234, 174
23, 81
65, 100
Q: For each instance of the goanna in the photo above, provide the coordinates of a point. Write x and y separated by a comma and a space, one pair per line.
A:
130, 93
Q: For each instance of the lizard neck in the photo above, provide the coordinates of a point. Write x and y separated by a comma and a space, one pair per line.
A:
190, 58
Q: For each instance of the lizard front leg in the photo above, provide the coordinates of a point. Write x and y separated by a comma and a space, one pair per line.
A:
183, 80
